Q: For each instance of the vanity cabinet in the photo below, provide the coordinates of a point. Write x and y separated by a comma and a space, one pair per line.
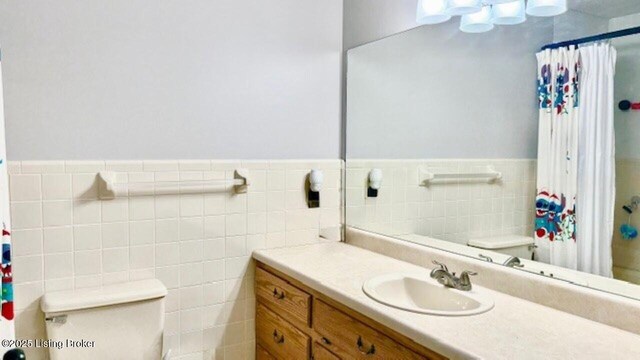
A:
296, 322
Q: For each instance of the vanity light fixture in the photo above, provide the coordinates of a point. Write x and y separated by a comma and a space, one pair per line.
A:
479, 16
478, 22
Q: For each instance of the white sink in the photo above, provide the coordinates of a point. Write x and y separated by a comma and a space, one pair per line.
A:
424, 295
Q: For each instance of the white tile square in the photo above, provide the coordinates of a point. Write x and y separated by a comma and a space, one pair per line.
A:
26, 215
275, 240
167, 206
213, 271
87, 237
191, 342
214, 249
276, 221
27, 242
115, 235
191, 251
167, 254
115, 260
236, 267
191, 228
88, 262
86, 212
57, 213
213, 292
236, 224
56, 187
191, 297
236, 203
115, 210
27, 268
141, 208
58, 239
167, 230
257, 202
256, 242
24, 187
190, 274
257, 223
58, 266
275, 180
275, 200
141, 257
214, 204
142, 232
191, 205
235, 246
214, 226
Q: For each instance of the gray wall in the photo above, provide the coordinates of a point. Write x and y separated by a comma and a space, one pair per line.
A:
574, 25
132, 79
370, 20
435, 92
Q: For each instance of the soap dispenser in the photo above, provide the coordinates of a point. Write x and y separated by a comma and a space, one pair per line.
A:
315, 184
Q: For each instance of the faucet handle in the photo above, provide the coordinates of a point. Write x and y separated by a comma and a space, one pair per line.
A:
465, 282
442, 266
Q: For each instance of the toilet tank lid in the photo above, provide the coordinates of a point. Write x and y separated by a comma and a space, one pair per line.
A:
501, 242
103, 296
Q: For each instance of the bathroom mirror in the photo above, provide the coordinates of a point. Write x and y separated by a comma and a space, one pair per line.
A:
445, 148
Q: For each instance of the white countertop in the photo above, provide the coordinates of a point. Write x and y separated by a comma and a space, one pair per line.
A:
513, 329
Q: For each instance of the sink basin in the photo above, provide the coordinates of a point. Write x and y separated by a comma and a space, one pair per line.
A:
418, 294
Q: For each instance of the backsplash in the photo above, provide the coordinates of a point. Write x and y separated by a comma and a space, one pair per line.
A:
626, 253
453, 211
198, 245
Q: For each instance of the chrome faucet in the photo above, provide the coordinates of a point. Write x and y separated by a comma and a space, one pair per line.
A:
448, 279
513, 261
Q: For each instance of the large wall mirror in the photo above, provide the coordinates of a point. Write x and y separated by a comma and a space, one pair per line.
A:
447, 147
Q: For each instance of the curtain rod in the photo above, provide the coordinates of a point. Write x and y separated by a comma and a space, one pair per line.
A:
605, 36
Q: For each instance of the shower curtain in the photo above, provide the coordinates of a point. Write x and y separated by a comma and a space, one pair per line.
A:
576, 164
558, 95
7, 330
596, 160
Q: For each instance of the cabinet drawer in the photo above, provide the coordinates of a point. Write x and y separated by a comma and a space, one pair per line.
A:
281, 339
262, 354
320, 353
286, 299
349, 338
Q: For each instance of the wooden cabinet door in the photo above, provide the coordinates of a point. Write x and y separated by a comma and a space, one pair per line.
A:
281, 339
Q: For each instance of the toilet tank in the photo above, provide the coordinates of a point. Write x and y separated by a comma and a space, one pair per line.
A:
514, 245
120, 321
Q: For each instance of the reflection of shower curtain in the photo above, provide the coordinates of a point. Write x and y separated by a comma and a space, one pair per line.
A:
596, 160
555, 228
6, 317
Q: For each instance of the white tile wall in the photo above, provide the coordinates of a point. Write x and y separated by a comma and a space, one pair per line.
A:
454, 211
198, 245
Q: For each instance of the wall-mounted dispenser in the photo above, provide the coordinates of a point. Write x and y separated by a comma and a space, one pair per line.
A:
315, 184
375, 182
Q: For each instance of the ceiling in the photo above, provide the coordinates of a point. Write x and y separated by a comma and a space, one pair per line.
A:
606, 8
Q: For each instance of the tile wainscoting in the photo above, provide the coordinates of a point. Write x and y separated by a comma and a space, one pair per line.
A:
453, 211
198, 245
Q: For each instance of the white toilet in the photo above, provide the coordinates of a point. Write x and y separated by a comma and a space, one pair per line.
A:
514, 245
120, 321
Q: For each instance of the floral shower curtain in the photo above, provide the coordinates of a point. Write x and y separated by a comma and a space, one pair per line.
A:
555, 227
6, 314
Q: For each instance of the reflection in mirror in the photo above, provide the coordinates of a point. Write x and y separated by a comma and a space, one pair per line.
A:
486, 146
